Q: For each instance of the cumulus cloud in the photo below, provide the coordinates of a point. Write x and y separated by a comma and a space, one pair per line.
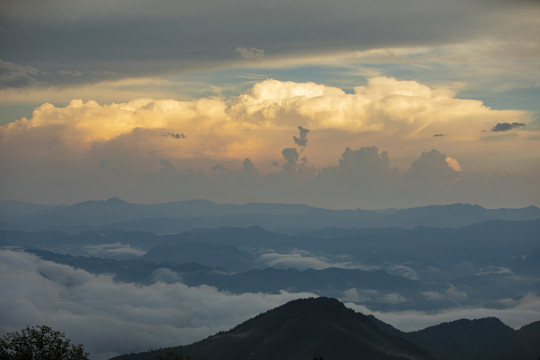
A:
385, 106
506, 126
111, 318
126, 141
290, 155
435, 167
453, 164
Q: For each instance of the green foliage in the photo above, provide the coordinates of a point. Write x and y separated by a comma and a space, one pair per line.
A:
39, 343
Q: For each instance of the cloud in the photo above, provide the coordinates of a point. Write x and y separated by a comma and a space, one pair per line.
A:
112, 318
435, 167
453, 164
173, 135
302, 140
386, 107
250, 54
290, 155
300, 260
84, 149
365, 295
218, 168
13, 75
506, 126
167, 168
248, 166
113, 250
516, 313
154, 26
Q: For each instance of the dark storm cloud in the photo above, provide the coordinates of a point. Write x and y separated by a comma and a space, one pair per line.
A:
506, 126
83, 41
13, 75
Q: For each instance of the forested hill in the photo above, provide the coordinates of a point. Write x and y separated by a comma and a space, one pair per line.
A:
300, 329
309, 328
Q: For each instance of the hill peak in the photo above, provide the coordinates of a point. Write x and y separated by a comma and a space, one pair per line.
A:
302, 329
115, 201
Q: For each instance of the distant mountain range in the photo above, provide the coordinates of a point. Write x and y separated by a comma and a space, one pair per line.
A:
427, 259
324, 327
181, 216
386, 269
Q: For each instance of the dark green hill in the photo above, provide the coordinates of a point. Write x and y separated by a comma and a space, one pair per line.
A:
301, 329
486, 338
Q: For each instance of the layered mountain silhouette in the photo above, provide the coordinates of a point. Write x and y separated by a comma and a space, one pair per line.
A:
180, 216
301, 329
324, 327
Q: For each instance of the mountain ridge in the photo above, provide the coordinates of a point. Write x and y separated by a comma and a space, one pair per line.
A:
180, 216
307, 328
300, 329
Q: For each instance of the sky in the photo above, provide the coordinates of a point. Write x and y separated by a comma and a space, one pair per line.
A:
341, 104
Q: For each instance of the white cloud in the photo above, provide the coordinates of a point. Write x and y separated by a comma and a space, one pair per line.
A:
516, 314
366, 295
269, 112
301, 260
114, 250
111, 318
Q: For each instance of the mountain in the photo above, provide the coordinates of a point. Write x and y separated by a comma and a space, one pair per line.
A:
329, 282
308, 328
181, 216
486, 338
225, 256
300, 329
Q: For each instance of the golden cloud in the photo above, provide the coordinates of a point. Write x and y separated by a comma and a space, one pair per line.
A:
260, 122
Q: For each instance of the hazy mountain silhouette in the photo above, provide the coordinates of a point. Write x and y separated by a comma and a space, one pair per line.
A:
226, 256
184, 215
301, 329
478, 265
328, 281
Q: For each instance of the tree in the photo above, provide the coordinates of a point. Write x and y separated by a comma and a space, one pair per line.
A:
39, 343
